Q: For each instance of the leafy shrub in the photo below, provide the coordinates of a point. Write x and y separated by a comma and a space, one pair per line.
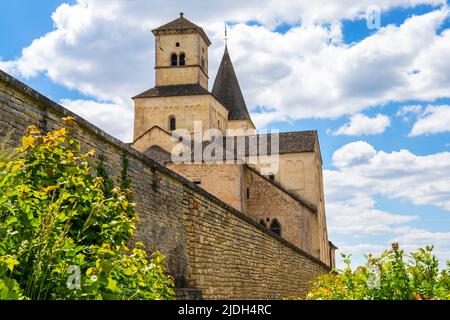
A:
56, 220
392, 276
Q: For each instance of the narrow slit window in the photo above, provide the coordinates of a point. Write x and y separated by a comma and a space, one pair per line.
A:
172, 123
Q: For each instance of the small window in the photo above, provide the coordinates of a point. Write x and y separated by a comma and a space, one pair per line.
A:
182, 59
172, 123
248, 193
177, 44
218, 124
275, 227
197, 182
272, 177
203, 63
174, 60
263, 223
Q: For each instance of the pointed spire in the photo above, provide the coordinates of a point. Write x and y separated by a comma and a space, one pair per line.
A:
226, 35
227, 90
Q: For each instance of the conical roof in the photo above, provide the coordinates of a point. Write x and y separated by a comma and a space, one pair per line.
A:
227, 90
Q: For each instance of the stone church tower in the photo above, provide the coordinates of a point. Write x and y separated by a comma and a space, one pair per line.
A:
289, 201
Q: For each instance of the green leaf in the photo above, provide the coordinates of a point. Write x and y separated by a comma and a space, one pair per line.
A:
112, 285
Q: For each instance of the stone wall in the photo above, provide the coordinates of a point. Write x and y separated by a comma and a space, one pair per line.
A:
225, 181
209, 245
267, 202
155, 111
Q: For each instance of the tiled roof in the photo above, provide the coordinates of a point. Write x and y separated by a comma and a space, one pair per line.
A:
289, 142
158, 154
174, 90
182, 24
227, 90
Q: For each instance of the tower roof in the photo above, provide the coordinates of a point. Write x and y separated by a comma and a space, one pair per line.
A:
226, 88
181, 24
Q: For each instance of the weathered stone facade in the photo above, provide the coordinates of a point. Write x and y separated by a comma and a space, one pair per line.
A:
265, 202
210, 246
222, 180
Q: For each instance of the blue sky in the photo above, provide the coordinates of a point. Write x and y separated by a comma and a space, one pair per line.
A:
311, 69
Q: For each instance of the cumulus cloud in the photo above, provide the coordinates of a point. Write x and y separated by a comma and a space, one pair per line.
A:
434, 119
359, 217
362, 174
354, 153
338, 79
398, 174
417, 237
406, 112
362, 125
105, 50
115, 118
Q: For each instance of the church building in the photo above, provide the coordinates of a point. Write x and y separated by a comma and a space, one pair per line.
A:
282, 191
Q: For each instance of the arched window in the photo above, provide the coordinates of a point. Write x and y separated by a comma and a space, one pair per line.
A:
203, 63
182, 59
263, 223
172, 123
174, 59
275, 227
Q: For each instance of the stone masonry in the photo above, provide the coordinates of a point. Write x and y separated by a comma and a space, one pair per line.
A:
211, 248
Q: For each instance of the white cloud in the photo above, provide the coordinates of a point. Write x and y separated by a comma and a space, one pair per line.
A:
362, 175
357, 216
113, 118
423, 180
434, 119
406, 112
413, 237
104, 49
331, 80
353, 153
357, 250
362, 125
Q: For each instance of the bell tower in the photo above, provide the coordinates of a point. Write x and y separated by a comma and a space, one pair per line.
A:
181, 54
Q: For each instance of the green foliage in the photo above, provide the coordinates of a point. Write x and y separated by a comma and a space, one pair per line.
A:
57, 219
125, 181
103, 174
392, 276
